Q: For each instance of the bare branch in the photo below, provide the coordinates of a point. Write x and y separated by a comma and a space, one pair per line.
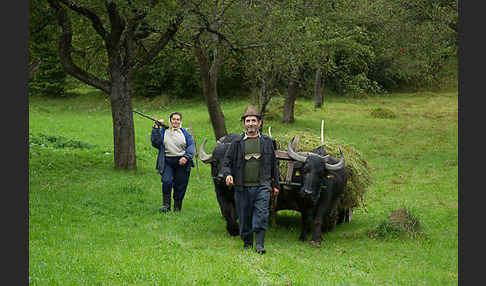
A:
222, 37
207, 27
162, 41
65, 50
253, 46
95, 20
139, 16
183, 43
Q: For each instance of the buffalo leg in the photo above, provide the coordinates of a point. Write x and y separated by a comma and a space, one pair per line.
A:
342, 214
323, 208
305, 225
327, 202
228, 211
230, 217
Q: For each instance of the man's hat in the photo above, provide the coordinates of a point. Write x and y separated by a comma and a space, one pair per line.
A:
251, 111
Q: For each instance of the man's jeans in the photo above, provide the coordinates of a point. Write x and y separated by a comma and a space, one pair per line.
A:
252, 208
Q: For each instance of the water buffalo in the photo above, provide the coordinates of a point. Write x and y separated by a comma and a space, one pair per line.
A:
322, 179
224, 194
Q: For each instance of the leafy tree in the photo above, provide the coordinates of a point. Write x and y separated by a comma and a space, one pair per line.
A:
352, 47
292, 42
116, 38
217, 32
174, 72
46, 76
411, 40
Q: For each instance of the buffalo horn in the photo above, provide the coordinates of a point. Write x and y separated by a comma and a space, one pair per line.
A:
202, 154
301, 156
294, 155
339, 165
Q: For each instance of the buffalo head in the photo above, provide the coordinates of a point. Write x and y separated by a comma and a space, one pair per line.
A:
316, 166
216, 158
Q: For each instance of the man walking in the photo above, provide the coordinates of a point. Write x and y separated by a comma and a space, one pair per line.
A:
251, 166
174, 160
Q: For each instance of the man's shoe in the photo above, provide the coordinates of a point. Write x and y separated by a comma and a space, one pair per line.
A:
177, 205
261, 250
260, 238
248, 242
165, 203
164, 209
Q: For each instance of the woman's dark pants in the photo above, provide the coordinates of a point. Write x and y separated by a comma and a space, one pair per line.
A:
174, 177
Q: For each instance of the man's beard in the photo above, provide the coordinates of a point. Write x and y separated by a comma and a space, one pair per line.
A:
252, 130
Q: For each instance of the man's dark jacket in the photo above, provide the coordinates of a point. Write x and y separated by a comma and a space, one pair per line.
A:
157, 138
234, 160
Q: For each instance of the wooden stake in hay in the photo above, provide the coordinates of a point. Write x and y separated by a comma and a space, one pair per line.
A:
357, 168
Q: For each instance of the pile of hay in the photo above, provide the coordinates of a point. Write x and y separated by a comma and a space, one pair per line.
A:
356, 166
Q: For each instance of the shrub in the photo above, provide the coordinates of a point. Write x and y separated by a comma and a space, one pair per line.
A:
399, 223
381, 112
57, 142
50, 78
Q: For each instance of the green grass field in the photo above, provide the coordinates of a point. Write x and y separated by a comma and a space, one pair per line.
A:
90, 224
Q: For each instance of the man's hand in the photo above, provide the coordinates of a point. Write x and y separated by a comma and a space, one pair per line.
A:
229, 180
275, 191
182, 161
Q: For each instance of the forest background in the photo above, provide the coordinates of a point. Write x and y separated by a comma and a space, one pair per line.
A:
262, 49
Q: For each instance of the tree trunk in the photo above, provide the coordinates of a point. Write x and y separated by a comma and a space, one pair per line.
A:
209, 76
122, 115
263, 98
289, 102
214, 109
318, 88
265, 95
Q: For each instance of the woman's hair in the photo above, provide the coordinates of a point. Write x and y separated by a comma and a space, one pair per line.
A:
174, 113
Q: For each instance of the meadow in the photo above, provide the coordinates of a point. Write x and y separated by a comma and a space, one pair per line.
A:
90, 224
